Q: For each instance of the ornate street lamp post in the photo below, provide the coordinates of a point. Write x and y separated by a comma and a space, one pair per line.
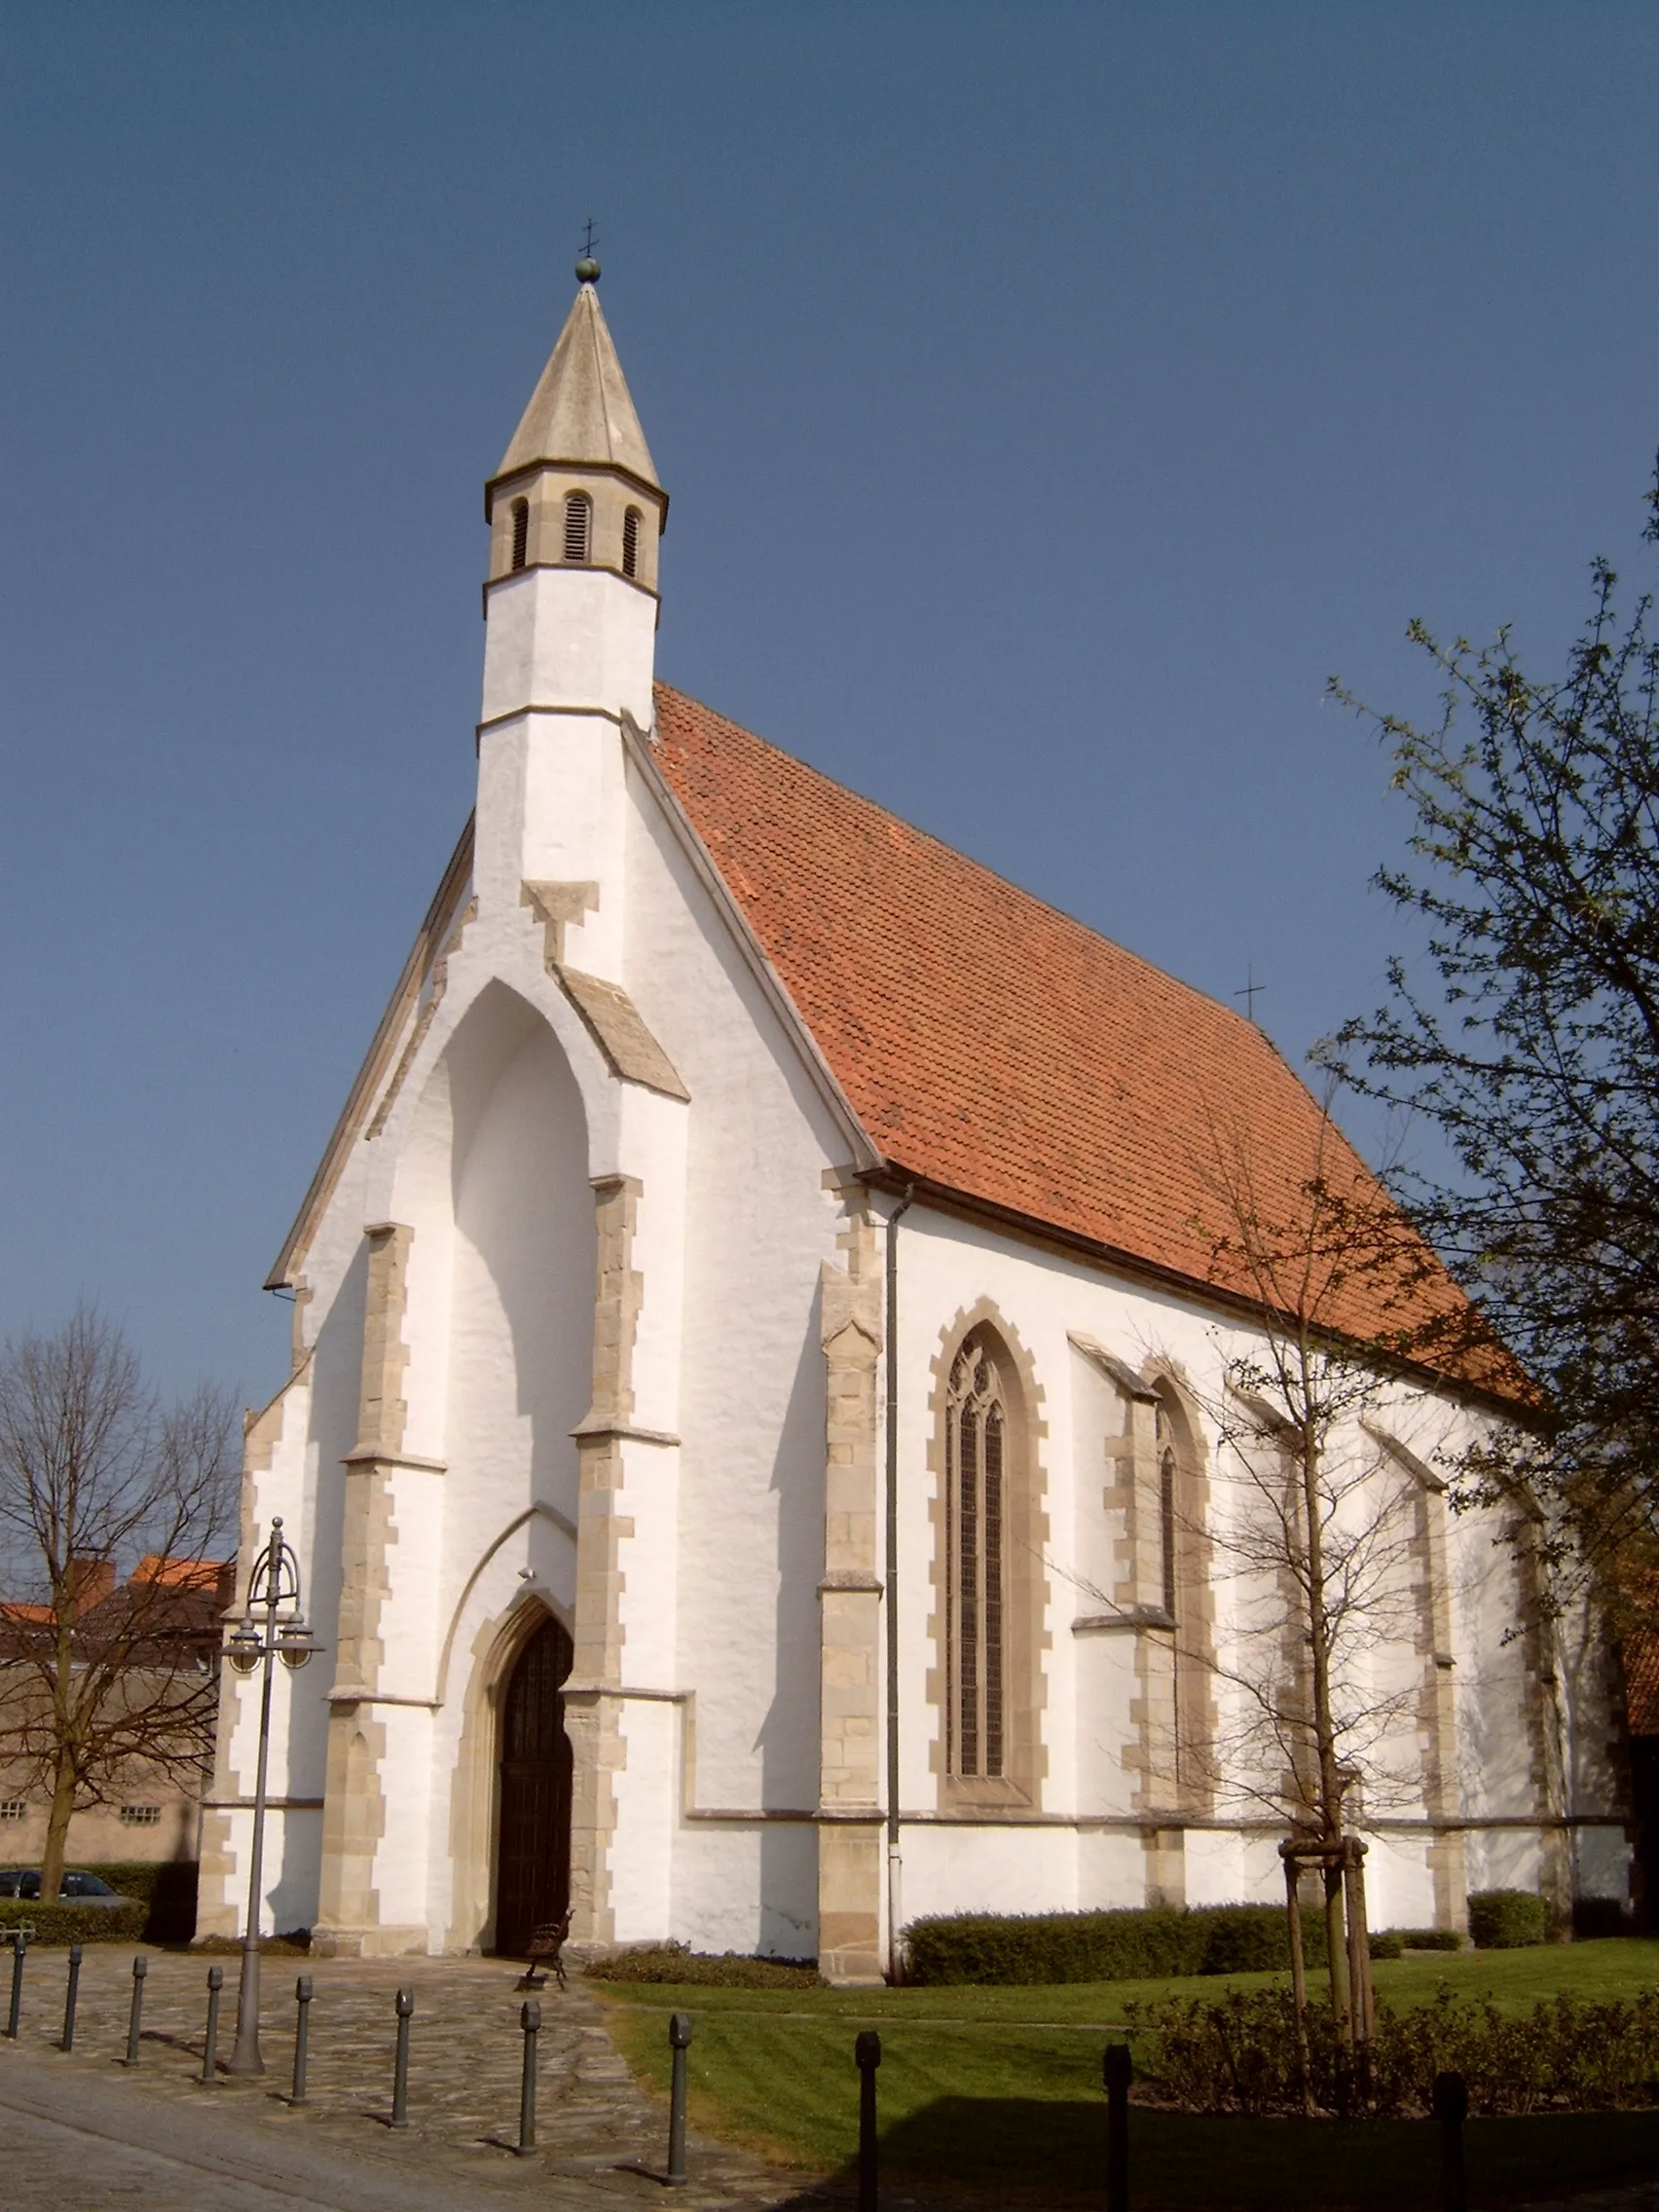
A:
273, 1589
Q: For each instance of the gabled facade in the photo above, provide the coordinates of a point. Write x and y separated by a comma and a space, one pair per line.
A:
752, 1433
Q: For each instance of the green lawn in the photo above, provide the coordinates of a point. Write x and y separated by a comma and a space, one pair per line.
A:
1000, 2088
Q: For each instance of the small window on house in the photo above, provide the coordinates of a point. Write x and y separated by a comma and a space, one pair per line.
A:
13, 1809
521, 533
578, 526
140, 1816
630, 543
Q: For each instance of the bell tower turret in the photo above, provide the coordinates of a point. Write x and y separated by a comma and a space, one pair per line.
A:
576, 515
577, 485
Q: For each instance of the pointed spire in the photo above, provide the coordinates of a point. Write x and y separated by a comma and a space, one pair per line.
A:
581, 412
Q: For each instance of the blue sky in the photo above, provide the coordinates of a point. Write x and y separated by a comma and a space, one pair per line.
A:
1050, 399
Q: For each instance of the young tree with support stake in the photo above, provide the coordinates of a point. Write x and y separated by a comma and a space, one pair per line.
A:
1311, 1513
100, 1676
1316, 1522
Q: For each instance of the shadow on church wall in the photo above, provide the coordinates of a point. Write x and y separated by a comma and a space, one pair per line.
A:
789, 1737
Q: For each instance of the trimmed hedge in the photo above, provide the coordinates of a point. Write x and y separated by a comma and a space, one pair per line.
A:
1508, 1920
73, 1923
675, 1962
1395, 1942
1238, 2054
1128, 1944
164, 1912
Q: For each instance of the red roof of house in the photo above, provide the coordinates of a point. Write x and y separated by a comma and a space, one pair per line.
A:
1642, 1681
1638, 1589
180, 1573
994, 1047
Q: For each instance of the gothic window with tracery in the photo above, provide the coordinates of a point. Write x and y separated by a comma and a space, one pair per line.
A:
977, 1453
1167, 1473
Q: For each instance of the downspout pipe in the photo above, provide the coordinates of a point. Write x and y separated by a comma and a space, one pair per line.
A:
894, 1858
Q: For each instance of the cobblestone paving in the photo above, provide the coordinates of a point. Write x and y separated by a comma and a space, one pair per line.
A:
593, 2121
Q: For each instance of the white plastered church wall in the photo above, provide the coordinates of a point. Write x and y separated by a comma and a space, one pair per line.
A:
760, 1135
526, 1115
499, 1344
647, 1787
470, 1120
1042, 1300
312, 1421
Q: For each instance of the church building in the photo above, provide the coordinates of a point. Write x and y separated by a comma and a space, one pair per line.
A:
760, 1442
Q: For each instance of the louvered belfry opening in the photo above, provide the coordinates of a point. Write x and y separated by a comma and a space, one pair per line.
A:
521, 533
630, 543
533, 1855
578, 526
976, 1486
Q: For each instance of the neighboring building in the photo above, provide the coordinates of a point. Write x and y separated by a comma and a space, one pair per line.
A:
150, 1809
735, 1162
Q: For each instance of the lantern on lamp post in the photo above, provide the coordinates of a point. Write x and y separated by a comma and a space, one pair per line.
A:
273, 1627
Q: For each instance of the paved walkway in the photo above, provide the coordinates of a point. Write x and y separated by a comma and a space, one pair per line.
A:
81, 2132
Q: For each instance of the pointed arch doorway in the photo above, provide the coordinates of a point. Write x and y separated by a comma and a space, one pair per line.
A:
532, 1847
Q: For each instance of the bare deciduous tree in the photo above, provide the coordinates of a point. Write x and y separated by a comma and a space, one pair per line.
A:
103, 1675
1317, 1518
1312, 1525
1320, 1519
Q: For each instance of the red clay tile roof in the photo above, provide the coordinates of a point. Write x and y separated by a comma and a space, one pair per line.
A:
993, 1045
1642, 1681
1637, 1590
180, 1573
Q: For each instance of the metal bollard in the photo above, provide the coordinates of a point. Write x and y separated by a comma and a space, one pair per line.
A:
1116, 2073
1451, 2109
678, 2043
301, 2036
400, 2068
134, 2018
70, 1995
20, 1947
530, 2020
211, 2041
866, 2050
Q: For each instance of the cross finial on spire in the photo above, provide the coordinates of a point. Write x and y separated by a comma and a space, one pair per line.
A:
1250, 992
587, 269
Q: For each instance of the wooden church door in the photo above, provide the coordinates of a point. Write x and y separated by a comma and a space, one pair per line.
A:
533, 1859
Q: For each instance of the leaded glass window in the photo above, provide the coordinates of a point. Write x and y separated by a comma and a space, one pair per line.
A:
977, 1443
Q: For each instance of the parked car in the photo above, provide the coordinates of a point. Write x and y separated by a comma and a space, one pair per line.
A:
79, 1887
